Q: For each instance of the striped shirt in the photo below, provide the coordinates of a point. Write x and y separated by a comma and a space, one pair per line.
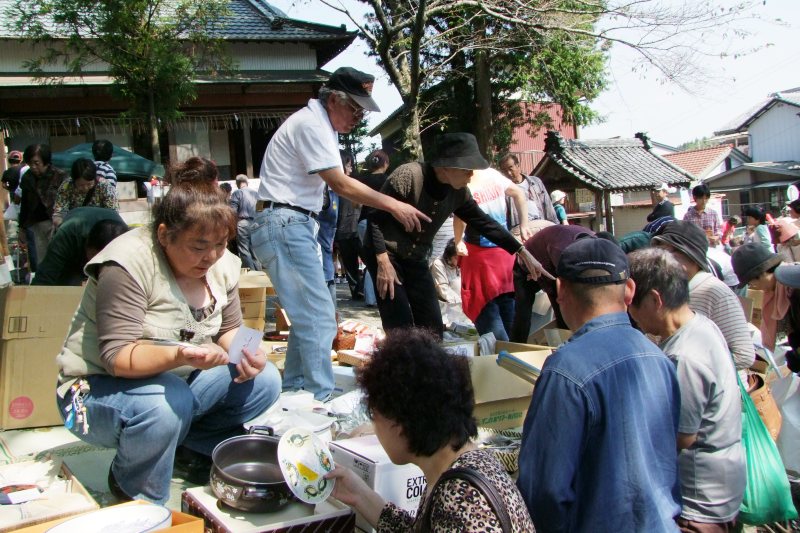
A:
711, 297
106, 171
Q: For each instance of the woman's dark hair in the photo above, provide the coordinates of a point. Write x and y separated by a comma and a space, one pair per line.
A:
83, 169
192, 204
756, 213
104, 232
377, 159
346, 158
42, 150
226, 187
449, 250
701, 191
193, 170
795, 205
102, 150
412, 381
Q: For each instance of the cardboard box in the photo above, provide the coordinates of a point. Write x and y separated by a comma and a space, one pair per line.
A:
351, 357
181, 522
255, 323
501, 398
330, 515
37, 524
28, 374
344, 380
30, 312
250, 279
253, 309
252, 294
402, 485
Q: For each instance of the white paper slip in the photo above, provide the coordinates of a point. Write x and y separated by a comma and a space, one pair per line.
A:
245, 338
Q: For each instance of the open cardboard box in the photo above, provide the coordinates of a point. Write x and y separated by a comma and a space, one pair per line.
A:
75, 486
181, 522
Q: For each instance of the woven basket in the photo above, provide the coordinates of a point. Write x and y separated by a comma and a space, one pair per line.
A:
766, 406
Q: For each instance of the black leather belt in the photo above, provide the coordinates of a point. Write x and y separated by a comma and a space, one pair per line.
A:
265, 204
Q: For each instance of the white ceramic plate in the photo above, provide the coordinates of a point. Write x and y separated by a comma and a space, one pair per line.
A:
304, 460
134, 518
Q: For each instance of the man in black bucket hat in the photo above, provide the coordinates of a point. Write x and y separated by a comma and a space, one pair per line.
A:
398, 260
709, 296
301, 159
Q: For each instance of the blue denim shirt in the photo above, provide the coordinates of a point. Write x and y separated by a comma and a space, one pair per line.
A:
599, 443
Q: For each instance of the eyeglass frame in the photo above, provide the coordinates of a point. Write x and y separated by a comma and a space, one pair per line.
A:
358, 112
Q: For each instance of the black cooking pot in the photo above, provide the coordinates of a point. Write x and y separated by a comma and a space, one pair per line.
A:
245, 473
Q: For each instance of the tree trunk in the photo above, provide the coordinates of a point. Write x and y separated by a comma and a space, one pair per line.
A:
155, 145
484, 128
413, 136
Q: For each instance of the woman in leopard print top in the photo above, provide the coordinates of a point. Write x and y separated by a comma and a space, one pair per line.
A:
421, 402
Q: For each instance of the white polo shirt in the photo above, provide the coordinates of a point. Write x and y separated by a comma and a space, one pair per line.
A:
303, 146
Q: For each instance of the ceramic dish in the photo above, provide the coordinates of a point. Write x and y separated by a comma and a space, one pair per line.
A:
304, 460
134, 518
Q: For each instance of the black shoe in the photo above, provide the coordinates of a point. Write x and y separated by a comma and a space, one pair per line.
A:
193, 466
114, 487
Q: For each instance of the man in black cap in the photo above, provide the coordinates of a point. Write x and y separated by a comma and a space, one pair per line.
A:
598, 445
397, 260
301, 158
708, 295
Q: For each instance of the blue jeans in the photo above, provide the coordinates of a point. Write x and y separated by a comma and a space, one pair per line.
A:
285, 242
497, 316
146, 420
243, 230
369, 288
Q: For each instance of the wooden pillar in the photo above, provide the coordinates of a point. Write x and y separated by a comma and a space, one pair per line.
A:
609, 211
597, 225
248, 149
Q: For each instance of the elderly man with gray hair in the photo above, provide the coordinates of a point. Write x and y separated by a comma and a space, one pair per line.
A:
711, 459
301, 158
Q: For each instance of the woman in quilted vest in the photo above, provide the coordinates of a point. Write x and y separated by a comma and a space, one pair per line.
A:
183, 394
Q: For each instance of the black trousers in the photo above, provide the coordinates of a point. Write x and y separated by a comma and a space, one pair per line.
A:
524, 295
348, 253
414, 302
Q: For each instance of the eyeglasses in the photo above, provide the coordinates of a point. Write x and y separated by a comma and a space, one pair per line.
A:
358, 112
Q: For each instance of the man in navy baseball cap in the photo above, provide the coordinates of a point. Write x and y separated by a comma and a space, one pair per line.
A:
608, 402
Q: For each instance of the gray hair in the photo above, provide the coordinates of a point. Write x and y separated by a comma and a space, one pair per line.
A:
325, 93
656, 269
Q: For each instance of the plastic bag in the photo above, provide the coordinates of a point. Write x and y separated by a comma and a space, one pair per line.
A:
767, 497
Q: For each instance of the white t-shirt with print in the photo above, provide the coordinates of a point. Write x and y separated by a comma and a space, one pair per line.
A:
488, 188
303, 146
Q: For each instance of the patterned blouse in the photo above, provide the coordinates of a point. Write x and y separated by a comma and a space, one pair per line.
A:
458, 506
68, 198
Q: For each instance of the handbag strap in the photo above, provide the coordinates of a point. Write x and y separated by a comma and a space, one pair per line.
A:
484, 486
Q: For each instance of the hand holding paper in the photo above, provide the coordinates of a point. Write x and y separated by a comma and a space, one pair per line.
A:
248, 338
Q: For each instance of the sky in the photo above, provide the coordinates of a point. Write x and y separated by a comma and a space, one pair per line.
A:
636, 101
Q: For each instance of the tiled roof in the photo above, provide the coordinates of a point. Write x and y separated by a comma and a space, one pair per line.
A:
702, 161
743, 121
256, 20
613, 164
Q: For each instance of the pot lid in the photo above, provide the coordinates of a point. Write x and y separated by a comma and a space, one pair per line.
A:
304, 460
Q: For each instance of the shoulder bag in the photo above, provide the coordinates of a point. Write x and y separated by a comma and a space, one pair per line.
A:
484, 486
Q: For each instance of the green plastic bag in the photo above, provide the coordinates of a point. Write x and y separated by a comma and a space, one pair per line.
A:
767, 496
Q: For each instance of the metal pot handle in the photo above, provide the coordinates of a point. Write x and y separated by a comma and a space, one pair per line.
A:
261, 430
